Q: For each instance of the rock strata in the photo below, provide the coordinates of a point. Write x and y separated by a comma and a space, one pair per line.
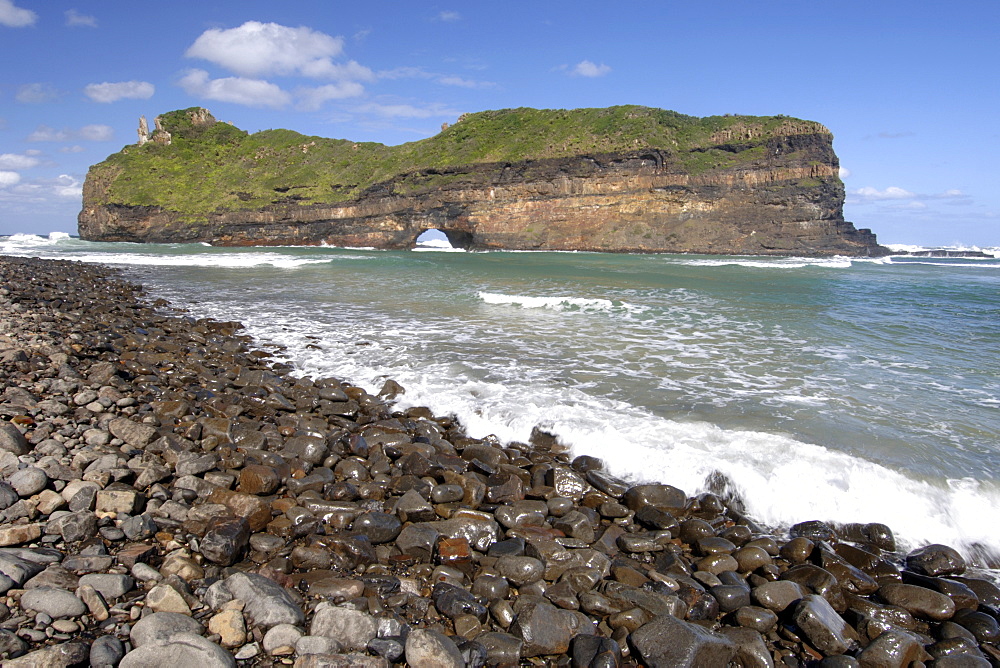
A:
197, 504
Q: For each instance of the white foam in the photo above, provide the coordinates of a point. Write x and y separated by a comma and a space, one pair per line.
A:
557, 303
771, 263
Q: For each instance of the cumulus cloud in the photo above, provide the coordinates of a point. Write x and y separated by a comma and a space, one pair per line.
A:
44, 133
407, 110
311, 99
257, 49
8, 179
66, 186
75, 19
238, 90
37, 93
844, 173
17, 161
13, 16
586, 68
870, 194
121, 90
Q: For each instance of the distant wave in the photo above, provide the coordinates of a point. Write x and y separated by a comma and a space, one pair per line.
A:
557, 303
772, 263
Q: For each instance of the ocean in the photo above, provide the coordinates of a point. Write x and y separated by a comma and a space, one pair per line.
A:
839, 389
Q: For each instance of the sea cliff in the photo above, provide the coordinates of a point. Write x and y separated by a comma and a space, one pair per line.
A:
621, 179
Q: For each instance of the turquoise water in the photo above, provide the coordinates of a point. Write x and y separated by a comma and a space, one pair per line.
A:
835, 389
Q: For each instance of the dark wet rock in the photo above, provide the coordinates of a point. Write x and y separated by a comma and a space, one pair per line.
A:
543, 628
895, 647
919, 601
669, 642
935, 560
225, 540
378, 527
664, 497
983, 626
502, 649
454, 601
751, 650
813, 530
827, 631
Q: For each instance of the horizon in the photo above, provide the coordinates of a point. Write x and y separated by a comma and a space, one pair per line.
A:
898, 86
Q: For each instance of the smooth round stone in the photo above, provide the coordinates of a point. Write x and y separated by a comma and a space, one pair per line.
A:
754, 617
265, 542
280, 637
613, 510
448, 493
692, 530
765, 543
935, 560
717, 563
161, 625
739, 535
110, 585
751, 557
28, 481
379, 527
53, 602
520, 571
714, 545
559, 506
777, 596
983, 626
918, 601
797, 550
730, 597
491, 587
106, 651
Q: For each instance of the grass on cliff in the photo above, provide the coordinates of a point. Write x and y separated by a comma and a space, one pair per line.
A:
213, 165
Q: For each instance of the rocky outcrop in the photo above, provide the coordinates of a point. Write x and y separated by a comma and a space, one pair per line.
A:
745, 191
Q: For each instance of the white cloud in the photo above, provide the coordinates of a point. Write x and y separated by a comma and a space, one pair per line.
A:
112, 92
874, 194
311, 99
261, 49
449, 16
66, 186
407, 110
96, 133
76, 19
43, 133
15, 17
76, 148
37, 93
845, 173
586, 68
15, 161
895, 193
238, 90
8, 179
463, 83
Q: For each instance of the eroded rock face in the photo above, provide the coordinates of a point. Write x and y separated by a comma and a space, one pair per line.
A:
787, 202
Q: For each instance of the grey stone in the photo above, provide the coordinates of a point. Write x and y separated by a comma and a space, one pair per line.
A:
12, 440
266, 603
281, 635
10, 644
17, 568
180, 649
351, 628
29, 481
8, 496
316, 645
138, 527
667, 642
106, 651
56, 656
73, 527
111, 585
162, 625
134, 433
54, 602
751, 651
225, 540
426, 648
520, 571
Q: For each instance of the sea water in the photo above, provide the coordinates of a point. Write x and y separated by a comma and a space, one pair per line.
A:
840, 389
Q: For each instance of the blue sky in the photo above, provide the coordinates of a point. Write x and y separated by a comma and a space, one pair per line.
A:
909, 90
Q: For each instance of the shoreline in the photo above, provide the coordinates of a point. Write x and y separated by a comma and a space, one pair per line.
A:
162, 464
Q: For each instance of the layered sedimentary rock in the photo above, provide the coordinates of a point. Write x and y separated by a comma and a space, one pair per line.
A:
624, 179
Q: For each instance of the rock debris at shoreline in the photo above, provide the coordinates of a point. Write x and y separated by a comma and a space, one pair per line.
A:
169, 496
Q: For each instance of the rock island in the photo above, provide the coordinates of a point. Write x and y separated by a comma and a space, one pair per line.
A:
620, 179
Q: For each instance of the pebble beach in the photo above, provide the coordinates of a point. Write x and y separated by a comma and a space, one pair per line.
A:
171, 495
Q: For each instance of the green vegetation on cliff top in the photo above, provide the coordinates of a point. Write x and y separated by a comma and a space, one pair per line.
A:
210, 165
